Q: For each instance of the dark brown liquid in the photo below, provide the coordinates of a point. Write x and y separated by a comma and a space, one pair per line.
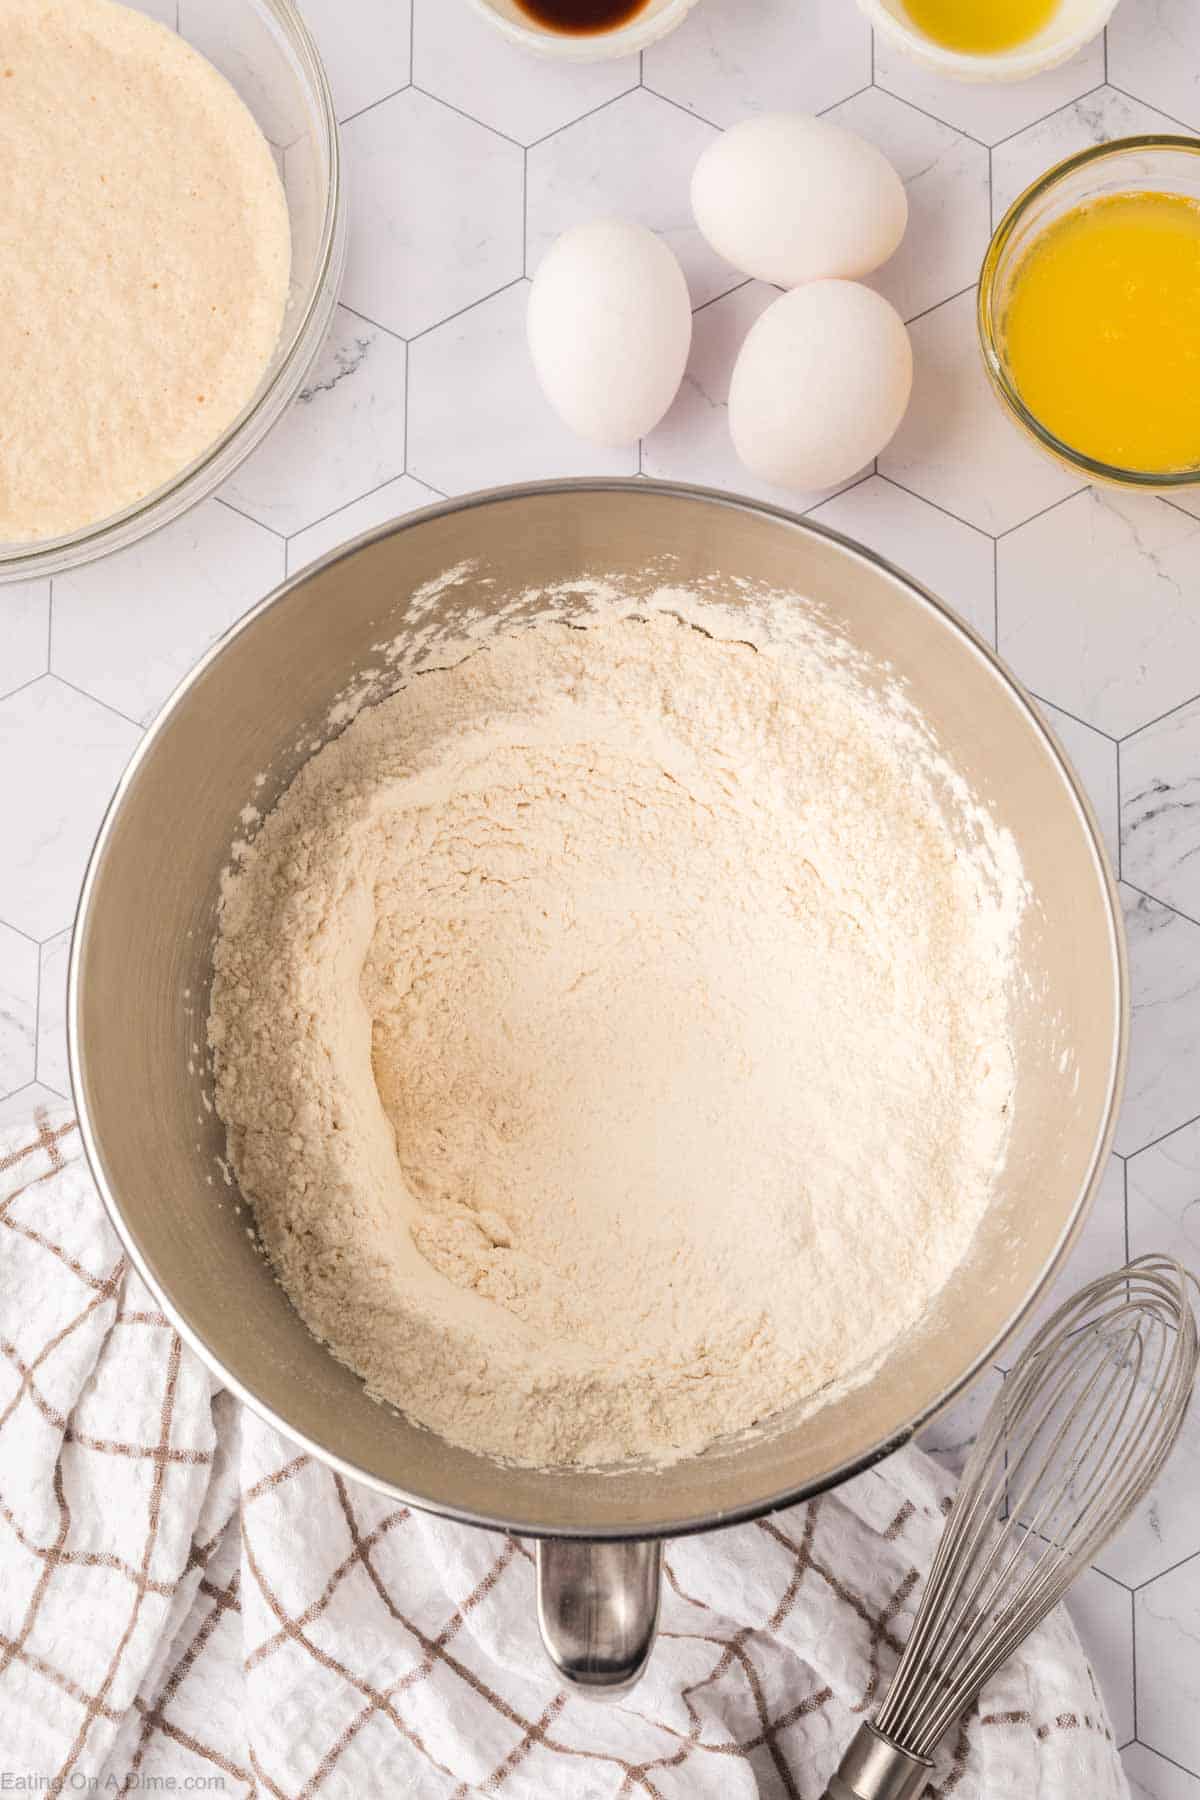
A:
580, 16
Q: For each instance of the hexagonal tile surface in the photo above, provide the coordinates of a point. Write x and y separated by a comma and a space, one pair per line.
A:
1094, 757
1160, 809
1102, 1613
1164, 1197
20, 1106
390, 501
1097, 607
60, 755
52, 1013
423, 249
952, 559
1168, 1678
993, 110
127, 628
955, 446
1164, 1052
1154, 52
1152, 1777
692, 443
1096, 119
633, 159
368, 62
1162, 1531
728, 59
24, 633
18, 1009
477, 366
459, 57
946, 178
342, 435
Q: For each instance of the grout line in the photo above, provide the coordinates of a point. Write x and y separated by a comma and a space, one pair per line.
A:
1158, 719
1044, 700
1042, 511
1135, 101
945, 301
373, 323
1133, 1653
1165, 904
463, 310
995, 596
1120, 824
1161, 1139
37, 1017
249, 517
1182, 1767
382, 100
43, 675
847, 98
1105, 41
689, 112
560, 130
926, 114
1125, 1191
24, 934
1046, 117
525, 213
872, 56
407, 397
97, 701
49, 625
469, 117
1175, 507
936, 504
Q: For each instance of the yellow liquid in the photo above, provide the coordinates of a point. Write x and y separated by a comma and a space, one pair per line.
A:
1101, 333
979, 26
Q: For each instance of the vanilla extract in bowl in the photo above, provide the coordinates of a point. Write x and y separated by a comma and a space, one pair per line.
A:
582, 17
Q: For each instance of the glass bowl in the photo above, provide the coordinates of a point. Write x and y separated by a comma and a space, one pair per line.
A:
1127, 165
264, 49
1074, 24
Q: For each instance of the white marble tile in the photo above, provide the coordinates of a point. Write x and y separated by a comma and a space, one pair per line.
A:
60, 756
1160, 809
1154, 52
1164, 1199
390, 501
369, 61
341, 436
18, 1109
1102, 1613
24, 632
729, 59
693, 443
950, 1438
953, 560
946, 178
1096, 119
633, 159
459, 57
989, 110
1098, 1250
1152, 1777
956, 446
52, 1013
1098, 607
1095, 760
126, 629
1164, 1529
1167, 1621
435, 212
477, 367
1163, 1082
18, 1009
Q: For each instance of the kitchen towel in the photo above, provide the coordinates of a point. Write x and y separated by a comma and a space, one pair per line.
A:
188, 1604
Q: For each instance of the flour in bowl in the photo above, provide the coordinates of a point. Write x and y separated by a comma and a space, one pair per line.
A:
612, 1035
144, 258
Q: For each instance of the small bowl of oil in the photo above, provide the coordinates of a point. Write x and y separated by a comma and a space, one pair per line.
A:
584, 30
1089, 299
989, 40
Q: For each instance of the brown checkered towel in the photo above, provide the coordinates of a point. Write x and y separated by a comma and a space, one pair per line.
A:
188, 1605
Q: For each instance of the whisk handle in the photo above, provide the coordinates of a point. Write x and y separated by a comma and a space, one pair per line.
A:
874, 1769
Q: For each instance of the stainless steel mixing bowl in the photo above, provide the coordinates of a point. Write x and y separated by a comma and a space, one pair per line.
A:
140, 970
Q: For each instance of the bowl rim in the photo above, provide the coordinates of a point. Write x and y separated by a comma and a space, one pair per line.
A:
987, 316
1016, 64
36, 558
1102, 1143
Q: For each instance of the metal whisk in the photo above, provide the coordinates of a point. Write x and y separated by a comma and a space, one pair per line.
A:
1086, 1419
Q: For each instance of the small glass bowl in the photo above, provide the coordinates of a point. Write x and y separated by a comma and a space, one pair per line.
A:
1130, 165
264, 49
1075, 23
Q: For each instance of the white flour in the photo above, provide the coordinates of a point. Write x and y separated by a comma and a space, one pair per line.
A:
612, 1036
144, 269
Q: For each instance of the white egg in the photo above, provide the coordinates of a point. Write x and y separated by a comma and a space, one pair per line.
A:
820, 385
790, 199
609, 326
